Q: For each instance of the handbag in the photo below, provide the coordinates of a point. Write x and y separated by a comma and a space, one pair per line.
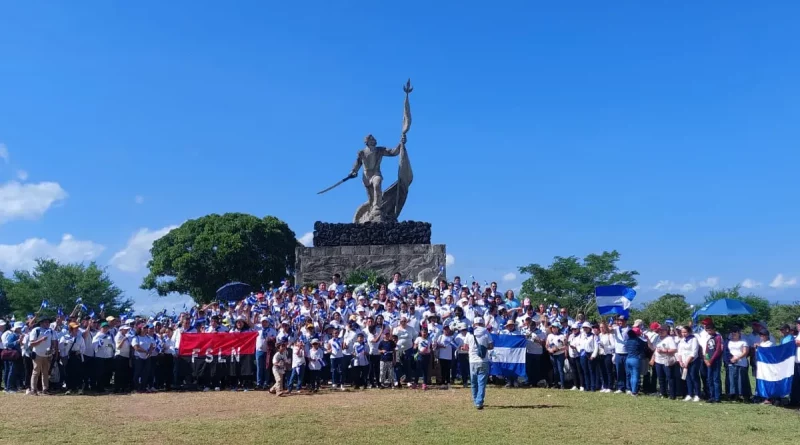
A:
9, 354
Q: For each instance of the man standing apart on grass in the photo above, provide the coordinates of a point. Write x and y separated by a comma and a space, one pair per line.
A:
479, 343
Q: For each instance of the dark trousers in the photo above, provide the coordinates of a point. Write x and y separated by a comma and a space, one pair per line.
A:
165, 367
577, 375
532, 366
74, 370
463, 368
794, 398
704, 392
423, 361
314, 378
445, 365
89, 373
739, 381
622, 377
336, 371
122, 374
374, 369
667, 380
587, 371
27, 364
606, 367
360, 375
142, 373
104, 368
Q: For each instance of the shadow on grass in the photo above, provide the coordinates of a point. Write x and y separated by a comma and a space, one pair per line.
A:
522, 406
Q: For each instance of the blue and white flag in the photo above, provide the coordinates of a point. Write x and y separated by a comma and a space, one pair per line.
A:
102, 306
79, 300
44, 304
507, 359
614, 299
775, 370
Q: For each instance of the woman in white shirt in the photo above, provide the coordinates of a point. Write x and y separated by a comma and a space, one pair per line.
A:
143, 347
665, 362
122, 360
405, 346
739, 381
574, 357
444, 348
690, 364
605, 350
556, 346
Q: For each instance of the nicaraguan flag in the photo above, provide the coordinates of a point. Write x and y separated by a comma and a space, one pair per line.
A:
507, 359
614, 299
775, 370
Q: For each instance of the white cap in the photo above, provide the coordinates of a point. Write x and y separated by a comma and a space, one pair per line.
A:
462, 326
18, 325
2, 322
477, 320
586, 324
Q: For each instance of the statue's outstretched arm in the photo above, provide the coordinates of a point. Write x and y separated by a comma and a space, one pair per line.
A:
396, 151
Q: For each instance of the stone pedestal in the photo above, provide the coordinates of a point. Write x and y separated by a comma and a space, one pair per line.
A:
416, 262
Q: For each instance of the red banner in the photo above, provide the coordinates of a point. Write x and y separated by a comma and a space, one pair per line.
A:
219, 344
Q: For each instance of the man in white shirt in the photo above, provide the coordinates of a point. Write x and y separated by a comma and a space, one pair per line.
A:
103, 345
620, 332
71, 347
533, 350
122, 360
265, 333
42, 343
479, 344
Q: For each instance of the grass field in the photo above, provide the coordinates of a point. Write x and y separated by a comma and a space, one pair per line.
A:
511, 416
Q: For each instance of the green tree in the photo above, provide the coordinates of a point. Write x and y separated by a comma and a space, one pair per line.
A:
672, 306
61, 285
783, 314
5, 284
724, 323
205, 253
571, 282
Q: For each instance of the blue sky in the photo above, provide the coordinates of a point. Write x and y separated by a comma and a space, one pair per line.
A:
668, 132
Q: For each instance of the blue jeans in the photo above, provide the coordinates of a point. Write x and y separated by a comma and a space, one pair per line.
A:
558, 368
336, 370
261, 369
715, 380
297, 376
10, 379
422, 369
478, 376
738, 381
622, 378
632, 370
589, 376
667, 379
693, 378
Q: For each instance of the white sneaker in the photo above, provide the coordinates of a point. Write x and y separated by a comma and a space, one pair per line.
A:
342, 388
574, 388
206, 389
628, 392
696, 399
582, 388
216, 388
619, 391
688, 399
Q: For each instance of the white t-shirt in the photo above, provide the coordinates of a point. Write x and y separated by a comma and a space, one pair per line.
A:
444, 347
620, 335
532, 347
607, 344
556, 341
736, 348
661, 344
423, 345
687, 348
405, 337
315, 359
125, 349
44, 347
479, 338
144, 342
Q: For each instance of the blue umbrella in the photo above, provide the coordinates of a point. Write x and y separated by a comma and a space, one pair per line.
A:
726, 306
233, 291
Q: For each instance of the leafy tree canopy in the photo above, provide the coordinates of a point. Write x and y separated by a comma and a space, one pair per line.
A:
61, 285
667, 306
205, 253
571, 281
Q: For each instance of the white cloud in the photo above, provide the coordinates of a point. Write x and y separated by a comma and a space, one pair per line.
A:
780, 282
138, 199
25, 254
136, 254
449, 260
3, 152
28, 201
511, 276
750, 283
307, 239
22, 175
709, 282
668, 286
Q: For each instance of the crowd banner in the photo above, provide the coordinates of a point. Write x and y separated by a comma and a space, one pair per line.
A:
508, 356
219, 354
775, 370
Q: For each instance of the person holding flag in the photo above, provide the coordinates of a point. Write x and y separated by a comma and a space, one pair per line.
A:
479, 343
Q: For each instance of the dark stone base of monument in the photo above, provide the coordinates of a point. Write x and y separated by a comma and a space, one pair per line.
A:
371, 234
416, 262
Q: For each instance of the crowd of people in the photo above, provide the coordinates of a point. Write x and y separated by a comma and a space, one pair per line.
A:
395, 336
